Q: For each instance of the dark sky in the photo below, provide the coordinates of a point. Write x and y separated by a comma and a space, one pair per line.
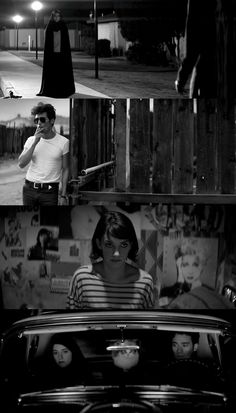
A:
79, 9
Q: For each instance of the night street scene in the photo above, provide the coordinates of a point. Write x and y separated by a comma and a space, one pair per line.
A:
119, 49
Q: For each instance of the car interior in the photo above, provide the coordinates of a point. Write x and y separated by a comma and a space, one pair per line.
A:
97, 345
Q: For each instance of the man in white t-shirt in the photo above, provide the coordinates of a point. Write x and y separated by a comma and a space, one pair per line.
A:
47, 154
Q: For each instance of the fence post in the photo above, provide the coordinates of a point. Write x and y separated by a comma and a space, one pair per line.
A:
162, 145
140, 153
207, 147
3, 137
183, 135
121, 145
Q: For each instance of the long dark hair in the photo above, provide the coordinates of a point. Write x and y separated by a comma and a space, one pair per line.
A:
119, 226
43, 231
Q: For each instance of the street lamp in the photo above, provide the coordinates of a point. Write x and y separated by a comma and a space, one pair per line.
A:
96, 37
17, 19
36, 6
93, 18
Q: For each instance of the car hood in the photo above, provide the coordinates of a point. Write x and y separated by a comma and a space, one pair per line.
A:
83, 395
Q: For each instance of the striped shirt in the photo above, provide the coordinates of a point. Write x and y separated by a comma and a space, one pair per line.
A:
89, 290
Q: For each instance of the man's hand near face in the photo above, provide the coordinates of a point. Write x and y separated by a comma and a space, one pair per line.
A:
39, 133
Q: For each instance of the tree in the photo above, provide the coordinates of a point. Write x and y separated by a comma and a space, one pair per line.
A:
152, 23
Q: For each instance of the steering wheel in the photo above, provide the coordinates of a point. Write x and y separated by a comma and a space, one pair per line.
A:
190, 372
121, 407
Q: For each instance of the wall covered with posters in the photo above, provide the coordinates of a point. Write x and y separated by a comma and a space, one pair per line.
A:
40, 249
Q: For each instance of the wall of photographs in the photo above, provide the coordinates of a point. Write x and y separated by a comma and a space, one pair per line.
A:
41, 248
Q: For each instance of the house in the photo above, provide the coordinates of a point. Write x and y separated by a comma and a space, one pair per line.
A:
109, 28
18, 122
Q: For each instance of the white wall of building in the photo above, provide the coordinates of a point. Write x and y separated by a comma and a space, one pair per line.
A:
111, 31
26, 37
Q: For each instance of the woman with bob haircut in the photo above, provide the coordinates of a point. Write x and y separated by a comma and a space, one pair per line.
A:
112, 280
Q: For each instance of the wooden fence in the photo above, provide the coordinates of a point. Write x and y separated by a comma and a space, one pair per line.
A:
185, 149
91, 141
163, 147
12, 139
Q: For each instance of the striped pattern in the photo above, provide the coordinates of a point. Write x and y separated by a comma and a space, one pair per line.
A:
89, 290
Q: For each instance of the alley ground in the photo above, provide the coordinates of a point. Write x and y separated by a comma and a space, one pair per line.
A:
11, 181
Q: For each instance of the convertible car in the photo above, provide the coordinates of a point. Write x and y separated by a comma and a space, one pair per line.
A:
126, 363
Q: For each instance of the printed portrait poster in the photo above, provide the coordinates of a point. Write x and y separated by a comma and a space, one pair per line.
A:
28, 216
189, 259
42, 243
24, 284
15, 236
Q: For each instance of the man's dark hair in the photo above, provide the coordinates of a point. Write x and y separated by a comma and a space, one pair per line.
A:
44, 107
194, 336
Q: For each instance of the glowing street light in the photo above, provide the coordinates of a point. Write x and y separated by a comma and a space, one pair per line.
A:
36, 6
17, 19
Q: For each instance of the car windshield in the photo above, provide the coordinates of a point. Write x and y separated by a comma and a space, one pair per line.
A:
42, 360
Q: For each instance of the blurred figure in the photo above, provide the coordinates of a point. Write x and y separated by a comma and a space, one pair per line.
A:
210, 51
127, 363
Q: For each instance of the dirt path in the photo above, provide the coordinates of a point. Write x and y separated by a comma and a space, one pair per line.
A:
11, 182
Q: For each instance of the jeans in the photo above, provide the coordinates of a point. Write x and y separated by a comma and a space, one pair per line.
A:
32, 197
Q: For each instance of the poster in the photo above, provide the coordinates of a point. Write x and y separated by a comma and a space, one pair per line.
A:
42, 243
74, 251
189, 260
22, 281
28, 216
14, 234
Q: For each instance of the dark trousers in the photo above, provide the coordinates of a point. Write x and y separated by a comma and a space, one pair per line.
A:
33, 197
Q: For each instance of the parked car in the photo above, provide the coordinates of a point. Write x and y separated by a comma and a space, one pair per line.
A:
126, 363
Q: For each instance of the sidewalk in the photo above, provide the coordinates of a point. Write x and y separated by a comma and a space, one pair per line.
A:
23, 78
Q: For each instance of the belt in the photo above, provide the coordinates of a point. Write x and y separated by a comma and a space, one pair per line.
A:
38, 185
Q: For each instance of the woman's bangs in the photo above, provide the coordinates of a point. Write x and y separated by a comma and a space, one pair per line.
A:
116, 231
